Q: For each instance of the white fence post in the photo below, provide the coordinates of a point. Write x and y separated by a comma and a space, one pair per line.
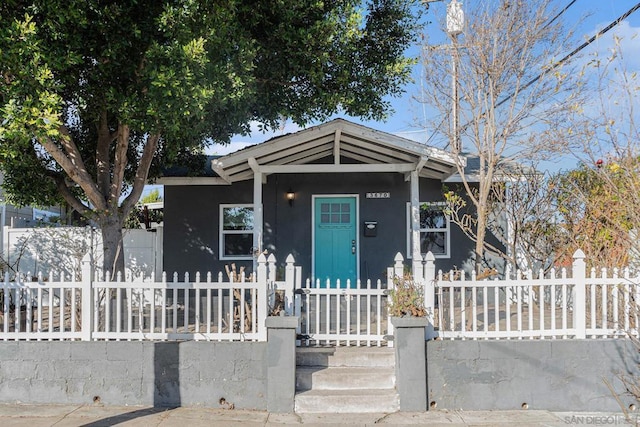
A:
87, 298
263, 303
429, 294
272, 287
289, 282
579, 294
398, 266
271, 263
392, 272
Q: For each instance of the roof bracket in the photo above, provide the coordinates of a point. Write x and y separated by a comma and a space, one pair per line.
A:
421, 163
255, 167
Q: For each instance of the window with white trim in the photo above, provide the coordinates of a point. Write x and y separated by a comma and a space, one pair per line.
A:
236, 231
434, 229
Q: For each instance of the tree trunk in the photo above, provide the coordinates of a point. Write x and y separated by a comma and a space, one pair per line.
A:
481, 233
113, 251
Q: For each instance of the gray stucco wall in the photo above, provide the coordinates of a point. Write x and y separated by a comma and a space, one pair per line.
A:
135, 373
558, 375
470, 375
191, 219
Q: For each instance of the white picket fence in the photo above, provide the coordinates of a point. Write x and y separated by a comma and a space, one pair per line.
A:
523, 305
136, 308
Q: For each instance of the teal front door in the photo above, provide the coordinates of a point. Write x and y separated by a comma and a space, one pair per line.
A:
335, 240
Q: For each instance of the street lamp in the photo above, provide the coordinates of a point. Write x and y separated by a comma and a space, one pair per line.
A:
455, 24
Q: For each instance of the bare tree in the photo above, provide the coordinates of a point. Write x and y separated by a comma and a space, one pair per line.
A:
515, 94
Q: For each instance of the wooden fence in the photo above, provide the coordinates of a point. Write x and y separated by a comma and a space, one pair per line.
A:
343, 313
136, 308
526, 305
562, 304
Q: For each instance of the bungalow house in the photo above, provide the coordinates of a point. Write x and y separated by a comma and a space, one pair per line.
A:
341, 197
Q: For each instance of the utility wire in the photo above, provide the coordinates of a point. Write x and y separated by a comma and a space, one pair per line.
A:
573, 53
566, 58
510, 96
559, 13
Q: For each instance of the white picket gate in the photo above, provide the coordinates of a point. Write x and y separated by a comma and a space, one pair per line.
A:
343, 313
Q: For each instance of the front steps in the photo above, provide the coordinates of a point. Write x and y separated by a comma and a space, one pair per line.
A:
345, 380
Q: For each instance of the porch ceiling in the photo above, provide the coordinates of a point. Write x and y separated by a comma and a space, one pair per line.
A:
336, 146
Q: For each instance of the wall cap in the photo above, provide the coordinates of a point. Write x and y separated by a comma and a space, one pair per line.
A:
409, 322
282, 322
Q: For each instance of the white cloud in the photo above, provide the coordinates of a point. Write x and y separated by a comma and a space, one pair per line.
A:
220, 150
627, 39
256, 136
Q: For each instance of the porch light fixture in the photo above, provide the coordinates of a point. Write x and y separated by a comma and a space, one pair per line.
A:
290, 196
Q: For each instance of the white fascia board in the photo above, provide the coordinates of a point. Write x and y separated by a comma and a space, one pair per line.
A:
217, 167
191, 180
343, 168
278, 143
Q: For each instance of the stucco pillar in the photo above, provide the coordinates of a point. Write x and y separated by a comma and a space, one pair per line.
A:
281, 362
411, 362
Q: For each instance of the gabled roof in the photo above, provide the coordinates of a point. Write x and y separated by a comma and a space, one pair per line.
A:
506, 170
330, 147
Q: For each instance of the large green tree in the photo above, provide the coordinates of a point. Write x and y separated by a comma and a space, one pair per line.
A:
94, 92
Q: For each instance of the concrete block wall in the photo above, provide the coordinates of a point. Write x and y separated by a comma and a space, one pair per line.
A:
558, 375
169, 374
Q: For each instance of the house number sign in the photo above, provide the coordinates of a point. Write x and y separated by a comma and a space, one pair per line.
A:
379, 195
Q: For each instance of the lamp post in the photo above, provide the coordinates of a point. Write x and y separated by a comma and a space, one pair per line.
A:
455, 23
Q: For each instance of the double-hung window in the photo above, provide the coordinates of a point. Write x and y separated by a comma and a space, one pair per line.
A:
236, 231
434, 229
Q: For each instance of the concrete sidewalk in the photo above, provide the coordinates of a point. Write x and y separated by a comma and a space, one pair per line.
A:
94, 416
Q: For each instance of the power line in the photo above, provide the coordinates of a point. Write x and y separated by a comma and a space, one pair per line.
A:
574, 52
563, 60
559, 13
528, 84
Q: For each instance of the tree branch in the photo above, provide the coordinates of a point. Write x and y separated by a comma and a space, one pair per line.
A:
120, 163
102, 153
73, 165
142, 173
68, 196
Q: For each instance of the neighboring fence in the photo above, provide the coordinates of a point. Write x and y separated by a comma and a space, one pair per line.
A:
522, 305
43, 249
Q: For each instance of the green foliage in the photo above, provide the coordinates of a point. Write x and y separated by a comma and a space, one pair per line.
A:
599, 211
195, 71
407, 298
152, 196
92, 91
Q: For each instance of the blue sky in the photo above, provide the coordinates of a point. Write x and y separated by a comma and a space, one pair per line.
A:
407, 120
408, 117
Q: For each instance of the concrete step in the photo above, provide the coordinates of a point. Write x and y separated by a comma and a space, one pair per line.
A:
347, 401
344, 378
345, 356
